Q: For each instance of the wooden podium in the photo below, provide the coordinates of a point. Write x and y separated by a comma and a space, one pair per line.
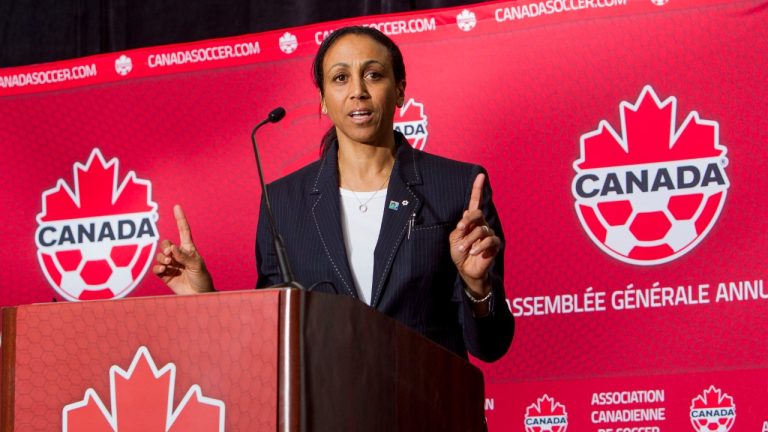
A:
266, 360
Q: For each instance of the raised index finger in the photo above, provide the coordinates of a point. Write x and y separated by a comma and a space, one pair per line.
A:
185, 234
477, 192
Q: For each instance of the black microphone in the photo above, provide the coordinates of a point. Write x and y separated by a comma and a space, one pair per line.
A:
276, 115
286, 274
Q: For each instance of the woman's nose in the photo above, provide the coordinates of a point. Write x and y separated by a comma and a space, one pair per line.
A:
359, 89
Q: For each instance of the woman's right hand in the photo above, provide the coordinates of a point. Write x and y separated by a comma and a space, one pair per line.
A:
181, 267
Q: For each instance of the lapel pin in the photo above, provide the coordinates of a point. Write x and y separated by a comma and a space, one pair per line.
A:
393, 205
405, 202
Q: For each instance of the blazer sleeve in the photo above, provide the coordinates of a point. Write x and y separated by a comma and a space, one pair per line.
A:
488, 337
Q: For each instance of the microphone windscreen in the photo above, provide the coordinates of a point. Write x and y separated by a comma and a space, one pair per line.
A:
277, 114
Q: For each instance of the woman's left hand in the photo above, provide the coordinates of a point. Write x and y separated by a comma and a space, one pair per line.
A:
474, 245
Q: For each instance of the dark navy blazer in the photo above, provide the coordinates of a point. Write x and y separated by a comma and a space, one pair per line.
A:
414, 279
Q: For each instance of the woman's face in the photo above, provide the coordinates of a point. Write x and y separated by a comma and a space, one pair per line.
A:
359, 90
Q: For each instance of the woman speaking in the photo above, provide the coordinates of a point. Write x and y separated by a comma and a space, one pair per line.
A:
413, 235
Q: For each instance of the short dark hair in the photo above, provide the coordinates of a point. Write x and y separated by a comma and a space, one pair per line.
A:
398, 65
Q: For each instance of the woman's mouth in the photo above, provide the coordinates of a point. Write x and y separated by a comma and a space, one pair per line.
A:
361, 116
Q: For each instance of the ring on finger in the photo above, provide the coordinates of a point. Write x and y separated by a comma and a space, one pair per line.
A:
486, 229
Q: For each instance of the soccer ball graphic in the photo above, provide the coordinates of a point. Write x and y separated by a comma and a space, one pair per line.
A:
712, 426
101, 272
646, 228
96, 240
650, 193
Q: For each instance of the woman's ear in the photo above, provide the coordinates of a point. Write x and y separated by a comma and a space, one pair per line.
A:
400, 94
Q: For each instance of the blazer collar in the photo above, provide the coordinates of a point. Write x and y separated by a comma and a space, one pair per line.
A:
405, 166
326, 215
401, 208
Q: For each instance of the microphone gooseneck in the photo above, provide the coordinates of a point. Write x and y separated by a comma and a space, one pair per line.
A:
286, 274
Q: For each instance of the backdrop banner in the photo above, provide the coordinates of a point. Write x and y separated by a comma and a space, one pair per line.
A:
625, 143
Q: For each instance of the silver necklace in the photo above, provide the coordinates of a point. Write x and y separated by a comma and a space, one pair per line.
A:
363, 207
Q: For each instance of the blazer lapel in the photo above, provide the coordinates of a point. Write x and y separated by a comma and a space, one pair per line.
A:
326, 215
400, 210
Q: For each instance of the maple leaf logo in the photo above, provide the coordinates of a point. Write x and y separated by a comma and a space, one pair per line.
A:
546, 415
650, 194
649, 136
142, 400
411, 121
96, 192
712, 397
713, 411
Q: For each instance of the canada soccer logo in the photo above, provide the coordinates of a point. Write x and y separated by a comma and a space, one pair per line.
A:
466, 20
96, 241
141, 399
713, 411
123, 65
288, 43
651, 194
546, 415
411, 121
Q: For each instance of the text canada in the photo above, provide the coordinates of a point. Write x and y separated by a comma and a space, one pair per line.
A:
590, 184
75, 233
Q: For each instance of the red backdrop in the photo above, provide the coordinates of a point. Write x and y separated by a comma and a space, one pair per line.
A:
620, 324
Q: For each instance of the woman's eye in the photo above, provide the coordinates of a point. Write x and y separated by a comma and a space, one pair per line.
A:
373, 75
340, 78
